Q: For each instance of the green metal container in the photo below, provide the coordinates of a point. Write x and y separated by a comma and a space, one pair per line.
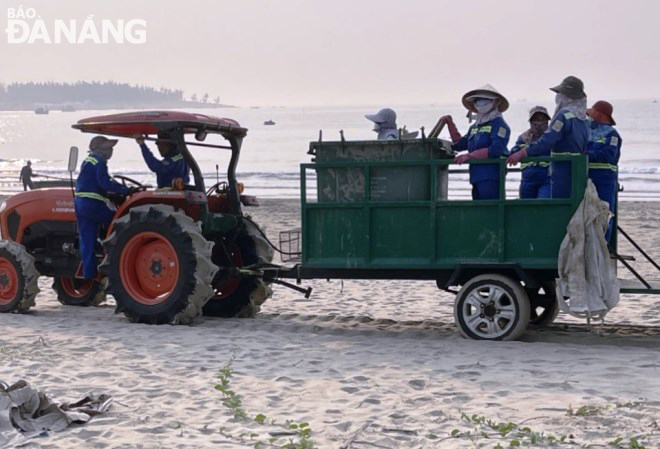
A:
375, 209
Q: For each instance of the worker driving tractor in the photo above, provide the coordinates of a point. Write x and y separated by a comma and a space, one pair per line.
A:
93, 207
172, 167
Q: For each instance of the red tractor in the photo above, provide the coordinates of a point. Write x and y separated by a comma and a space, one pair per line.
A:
168, 256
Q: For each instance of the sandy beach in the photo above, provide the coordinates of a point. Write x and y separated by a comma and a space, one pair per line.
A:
367, 364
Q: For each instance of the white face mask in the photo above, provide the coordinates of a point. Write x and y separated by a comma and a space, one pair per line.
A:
558, 98
483, 105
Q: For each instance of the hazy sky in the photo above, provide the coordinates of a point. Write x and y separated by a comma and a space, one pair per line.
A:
314, 52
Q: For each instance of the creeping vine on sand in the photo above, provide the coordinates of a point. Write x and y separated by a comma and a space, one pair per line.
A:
298, 435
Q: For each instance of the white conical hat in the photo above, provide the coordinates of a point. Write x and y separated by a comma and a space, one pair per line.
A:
485, 91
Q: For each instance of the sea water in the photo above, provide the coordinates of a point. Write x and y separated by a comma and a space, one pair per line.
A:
270, 156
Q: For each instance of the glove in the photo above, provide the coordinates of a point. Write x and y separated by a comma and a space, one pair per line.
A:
473, 156
451, 126
516, 157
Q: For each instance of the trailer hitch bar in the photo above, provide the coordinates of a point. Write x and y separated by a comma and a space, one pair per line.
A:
258, 273
306, 291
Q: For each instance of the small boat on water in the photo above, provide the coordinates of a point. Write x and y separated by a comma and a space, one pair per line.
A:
41, 111
68, 108
269, 122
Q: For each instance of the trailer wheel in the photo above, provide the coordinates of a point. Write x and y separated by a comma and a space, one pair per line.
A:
18, 278
158, 266
240, 297
77, 292
492, 307
544, 307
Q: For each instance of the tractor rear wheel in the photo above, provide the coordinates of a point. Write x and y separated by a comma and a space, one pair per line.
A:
78, 292
158, 266
240, 297
18, 278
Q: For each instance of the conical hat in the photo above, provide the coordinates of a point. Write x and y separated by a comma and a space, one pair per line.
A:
485, 91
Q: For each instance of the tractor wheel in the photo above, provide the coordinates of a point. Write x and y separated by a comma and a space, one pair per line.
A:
240, 297
78, 292
544, 305
492, 307
158, 266
18, 278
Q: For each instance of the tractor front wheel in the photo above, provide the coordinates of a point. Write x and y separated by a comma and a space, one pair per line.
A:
492, 307
78, 292
158, 266
18, 278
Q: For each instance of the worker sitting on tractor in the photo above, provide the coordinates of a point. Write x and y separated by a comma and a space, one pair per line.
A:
486, 139
172, 167
93, 207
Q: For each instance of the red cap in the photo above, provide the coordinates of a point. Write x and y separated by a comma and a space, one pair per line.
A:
601, 112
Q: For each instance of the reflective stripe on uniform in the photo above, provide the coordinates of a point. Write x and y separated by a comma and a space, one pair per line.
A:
601, 140
602, 166
96, 196
569, 115
91, 160
178, 157
564, 154
534, 164
473, 131
485, 129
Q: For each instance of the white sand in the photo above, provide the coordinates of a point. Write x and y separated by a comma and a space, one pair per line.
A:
367, 364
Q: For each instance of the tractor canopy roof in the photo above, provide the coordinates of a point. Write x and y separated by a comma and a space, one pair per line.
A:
129, 124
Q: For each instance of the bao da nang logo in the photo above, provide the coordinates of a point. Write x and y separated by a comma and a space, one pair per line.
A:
25, 26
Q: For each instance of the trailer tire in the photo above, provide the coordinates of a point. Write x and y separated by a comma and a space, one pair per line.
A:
544, 308
241, 297
492, 307
74, 292
18, 278
158, 266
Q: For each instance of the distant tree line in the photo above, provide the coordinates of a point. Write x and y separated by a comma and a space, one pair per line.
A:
96, 94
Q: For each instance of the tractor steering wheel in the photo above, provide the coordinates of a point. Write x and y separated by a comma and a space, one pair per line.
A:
125, 179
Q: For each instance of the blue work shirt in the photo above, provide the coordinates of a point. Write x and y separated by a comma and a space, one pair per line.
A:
493, 135
604, 150
535, 172
171, 167
94, 182
566, 134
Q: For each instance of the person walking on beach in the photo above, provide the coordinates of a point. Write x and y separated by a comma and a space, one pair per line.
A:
173, 166
384, 124
535, 179
26, 176
568, 134
93, 208
486, 139
604, 150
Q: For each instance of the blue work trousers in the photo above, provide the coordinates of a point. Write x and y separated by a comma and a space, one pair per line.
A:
90, 214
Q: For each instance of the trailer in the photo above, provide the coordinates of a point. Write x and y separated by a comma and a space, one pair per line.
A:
381, 210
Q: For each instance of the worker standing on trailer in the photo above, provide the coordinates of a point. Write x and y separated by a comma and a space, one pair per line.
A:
567, 134
535, 179
384, 124
486, 139
93, 208
173, 166
604, 150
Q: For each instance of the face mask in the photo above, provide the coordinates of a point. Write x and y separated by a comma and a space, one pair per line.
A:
483, 105
558, 98
377, 127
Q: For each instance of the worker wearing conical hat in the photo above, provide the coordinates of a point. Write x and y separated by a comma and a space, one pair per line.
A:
535, 178
604, 150
487, 138
567, 135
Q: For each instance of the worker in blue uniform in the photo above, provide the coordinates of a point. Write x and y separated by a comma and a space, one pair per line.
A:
535, 178
567, 134
487, 138
384, 124
173, 166
93, 208
604, 150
